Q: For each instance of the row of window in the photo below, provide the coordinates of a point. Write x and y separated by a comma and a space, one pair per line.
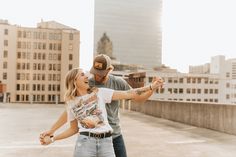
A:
194, 100
37, 98
39, 45
41, 35
38, 77
37, 87
37, 56
36, 66
41, 56
22, 76
189, 80
192, 91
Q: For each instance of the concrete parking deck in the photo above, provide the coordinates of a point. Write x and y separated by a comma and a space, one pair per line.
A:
145, 136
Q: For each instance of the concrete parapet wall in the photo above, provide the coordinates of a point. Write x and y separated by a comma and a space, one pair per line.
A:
219, 117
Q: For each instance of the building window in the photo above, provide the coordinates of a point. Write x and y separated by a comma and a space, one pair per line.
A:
17, 97
181, 80
17, 87
5, 42
70, 66
18, 55
199, 91
175, 81
6, 31
169, 80
5, 54
227, 74
4, 76
26, 97
188, 91
4, 65
227, 96
59, 57
205, 91
70, 57
18, 76
211, 91
227, 85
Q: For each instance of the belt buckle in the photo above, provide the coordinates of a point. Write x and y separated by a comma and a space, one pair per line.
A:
97, 135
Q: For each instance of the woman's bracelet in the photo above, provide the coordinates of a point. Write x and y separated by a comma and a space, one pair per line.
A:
150, 87
52, 138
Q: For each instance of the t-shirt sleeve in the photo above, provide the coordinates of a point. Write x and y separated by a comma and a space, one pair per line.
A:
106, 94
123, 84
70, 115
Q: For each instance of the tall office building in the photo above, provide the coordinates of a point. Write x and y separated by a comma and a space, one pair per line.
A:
34, 61
134, 28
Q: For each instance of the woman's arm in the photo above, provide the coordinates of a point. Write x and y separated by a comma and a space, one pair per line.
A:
65, 134
138, 93
59, 123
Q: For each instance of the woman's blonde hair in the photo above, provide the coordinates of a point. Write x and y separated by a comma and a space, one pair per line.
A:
70, 84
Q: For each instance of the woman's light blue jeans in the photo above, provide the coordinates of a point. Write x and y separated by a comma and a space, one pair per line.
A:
93, 147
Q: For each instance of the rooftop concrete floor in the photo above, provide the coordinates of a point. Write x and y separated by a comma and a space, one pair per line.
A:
145, 136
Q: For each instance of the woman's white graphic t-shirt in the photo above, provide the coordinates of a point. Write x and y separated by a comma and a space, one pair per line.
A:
90, 111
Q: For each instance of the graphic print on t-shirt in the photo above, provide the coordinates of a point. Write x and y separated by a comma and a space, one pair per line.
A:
86, 111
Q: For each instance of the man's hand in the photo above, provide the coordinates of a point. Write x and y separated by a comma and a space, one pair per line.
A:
157, 83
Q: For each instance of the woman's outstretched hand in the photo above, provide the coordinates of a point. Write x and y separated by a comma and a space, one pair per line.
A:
44, 138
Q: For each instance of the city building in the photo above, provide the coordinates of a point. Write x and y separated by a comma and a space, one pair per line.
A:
226, 72
133, 28
34, 61
186, 87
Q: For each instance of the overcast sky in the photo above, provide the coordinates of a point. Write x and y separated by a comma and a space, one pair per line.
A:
193, 30
75, 13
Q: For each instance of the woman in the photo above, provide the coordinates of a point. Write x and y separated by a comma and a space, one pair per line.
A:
87, 112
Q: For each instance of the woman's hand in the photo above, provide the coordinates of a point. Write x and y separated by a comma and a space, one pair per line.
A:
43, 135
47, 140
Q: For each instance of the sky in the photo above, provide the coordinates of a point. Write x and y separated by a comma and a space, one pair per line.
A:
74, 13
196, 30
193, 30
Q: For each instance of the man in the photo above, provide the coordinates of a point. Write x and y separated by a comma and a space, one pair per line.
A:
101, 69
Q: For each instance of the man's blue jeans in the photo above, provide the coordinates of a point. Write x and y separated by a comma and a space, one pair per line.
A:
119, 146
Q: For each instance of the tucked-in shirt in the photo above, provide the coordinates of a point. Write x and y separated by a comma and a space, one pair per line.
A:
90, 111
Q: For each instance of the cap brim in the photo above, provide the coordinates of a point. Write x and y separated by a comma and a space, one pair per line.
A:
98, 72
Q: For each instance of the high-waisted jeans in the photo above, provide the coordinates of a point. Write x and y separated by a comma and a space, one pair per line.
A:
93, 147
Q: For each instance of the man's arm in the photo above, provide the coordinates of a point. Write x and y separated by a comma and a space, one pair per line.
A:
59, 123
145, 95
138, 93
